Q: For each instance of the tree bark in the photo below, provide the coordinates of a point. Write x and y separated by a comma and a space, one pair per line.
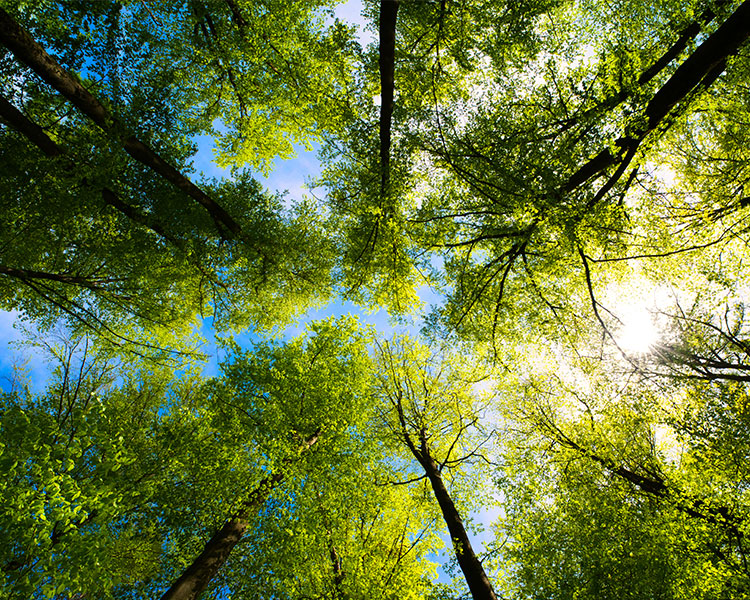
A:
474, 574
35, 134
724, 42
28, 51
687, 34
338, 571
215, 553
199, 574
386, 61
656, 486
479, 584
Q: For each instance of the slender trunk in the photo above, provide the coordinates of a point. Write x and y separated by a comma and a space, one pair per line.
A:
388, 14
714, 51
338, 571
333, 555
237, 17
656, 486
476, 578
686, 35
703, 66
199, 574
85, 282
37, 136
474, 574
28, 51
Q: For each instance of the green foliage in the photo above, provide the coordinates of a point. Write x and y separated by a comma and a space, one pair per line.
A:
432, 393
543, 161
618, 491
345, 536
78, 461
98, 239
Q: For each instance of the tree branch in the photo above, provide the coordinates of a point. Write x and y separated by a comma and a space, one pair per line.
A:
28, 51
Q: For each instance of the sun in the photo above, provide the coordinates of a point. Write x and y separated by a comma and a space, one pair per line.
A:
638, 333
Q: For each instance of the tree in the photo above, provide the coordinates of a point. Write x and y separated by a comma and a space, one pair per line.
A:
427, 408
107, 232
293, 398
348, 535
508, 179
612, 492
436, 50
199, 454
82, 463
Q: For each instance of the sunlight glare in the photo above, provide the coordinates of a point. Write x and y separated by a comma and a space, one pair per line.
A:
638, 332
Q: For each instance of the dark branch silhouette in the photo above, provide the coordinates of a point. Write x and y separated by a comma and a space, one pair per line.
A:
388, 14
701, 68
28, 51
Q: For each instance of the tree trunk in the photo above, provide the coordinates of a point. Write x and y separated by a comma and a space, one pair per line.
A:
686, 35
388, 14
704, 65
722, 43
215, 553
28, 51
37, 136
476, 578
199, 574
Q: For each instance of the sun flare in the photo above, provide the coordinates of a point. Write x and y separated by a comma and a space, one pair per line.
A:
638, 333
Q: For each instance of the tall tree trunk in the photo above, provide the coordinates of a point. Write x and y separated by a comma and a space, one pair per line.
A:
338, 571
479, 584
686, 35
474, 574
655, 485
199, 574
712, 53
37, 136
28, 51
13, 117
386, 61
215, 553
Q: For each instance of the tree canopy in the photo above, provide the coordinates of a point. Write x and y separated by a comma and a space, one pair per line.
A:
568, 178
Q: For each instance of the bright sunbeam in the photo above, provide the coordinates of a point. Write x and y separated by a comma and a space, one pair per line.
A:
638, 332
